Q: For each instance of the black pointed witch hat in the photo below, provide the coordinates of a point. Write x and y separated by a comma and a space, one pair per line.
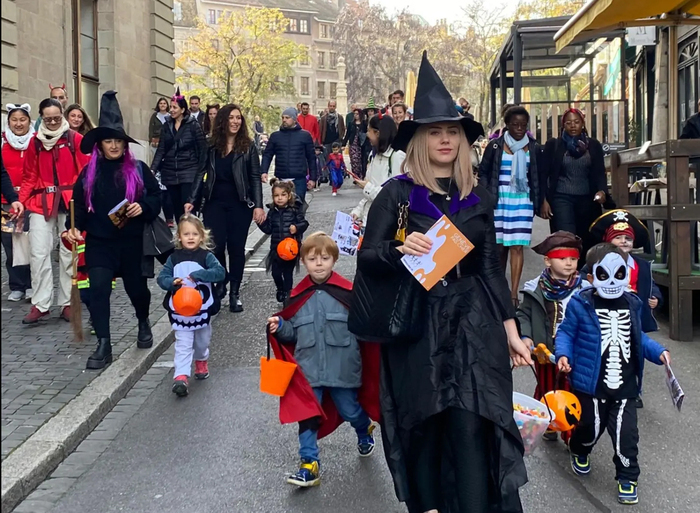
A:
433, 104
111, 125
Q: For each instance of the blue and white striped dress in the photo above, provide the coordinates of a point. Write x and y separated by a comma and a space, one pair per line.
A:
514, 211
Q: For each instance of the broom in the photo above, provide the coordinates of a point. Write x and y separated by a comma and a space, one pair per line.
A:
76, 315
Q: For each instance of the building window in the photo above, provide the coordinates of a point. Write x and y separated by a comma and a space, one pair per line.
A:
298, 24
290, 80
85, 56
334, 60
177, 10
305, 60
211, 17
324, 31
322, 60
334, 90
305, 86
321, 87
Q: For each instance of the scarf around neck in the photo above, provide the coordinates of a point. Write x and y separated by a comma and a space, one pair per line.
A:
557, 290
576, 146
19, 142
518, 180
332, 118
48, 137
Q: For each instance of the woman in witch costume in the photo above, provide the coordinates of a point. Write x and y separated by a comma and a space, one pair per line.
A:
112, 177
446, 395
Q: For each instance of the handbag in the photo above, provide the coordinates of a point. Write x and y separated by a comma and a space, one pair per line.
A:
157, 240
388, 308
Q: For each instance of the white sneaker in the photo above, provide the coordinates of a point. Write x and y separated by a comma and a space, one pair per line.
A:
16, 295
28, 294
335, 194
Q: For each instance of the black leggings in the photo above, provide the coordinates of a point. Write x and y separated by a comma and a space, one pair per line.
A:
167, 203
464, 435
283, 272
179, 194
574, 214
101, 288
229, 224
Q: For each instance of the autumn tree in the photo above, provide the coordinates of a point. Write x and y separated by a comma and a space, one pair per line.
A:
245, 58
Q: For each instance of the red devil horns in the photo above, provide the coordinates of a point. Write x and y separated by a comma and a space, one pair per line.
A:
51, 88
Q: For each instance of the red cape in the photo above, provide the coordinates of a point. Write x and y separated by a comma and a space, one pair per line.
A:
299, 402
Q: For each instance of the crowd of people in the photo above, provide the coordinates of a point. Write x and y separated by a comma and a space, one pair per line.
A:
433, 367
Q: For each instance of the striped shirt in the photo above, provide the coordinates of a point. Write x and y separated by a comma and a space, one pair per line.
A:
514, 211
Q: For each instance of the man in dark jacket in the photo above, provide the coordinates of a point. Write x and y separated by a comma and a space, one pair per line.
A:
293, 150
332, 127
691, 130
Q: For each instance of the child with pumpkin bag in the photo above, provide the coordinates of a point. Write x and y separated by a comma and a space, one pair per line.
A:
544, 305
194, 265
285, 220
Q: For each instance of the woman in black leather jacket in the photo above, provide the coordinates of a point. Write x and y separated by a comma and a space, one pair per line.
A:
181, 153
231, 194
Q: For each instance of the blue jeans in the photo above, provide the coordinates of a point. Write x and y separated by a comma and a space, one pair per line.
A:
345, 400
300, 188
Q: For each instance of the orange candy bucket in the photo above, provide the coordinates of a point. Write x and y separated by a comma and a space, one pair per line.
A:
275, 375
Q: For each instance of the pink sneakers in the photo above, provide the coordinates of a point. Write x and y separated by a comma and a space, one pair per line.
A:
201, 369
181, 386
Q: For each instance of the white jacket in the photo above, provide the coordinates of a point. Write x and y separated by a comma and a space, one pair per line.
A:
381, 168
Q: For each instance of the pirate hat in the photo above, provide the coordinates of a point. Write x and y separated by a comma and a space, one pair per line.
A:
559, 239
620, 222
110, 126
433, 104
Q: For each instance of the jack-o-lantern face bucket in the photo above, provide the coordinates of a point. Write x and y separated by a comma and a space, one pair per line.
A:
288, 249
566, 408
187, 301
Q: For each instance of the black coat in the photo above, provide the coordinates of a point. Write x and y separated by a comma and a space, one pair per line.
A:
350, 135
279, 220
490, 168
691, 129
182, 154
293, 150
461, 360
246, 175
551, 168
8, 190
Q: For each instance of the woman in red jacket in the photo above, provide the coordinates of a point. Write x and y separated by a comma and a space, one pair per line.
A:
51, 165
15, 141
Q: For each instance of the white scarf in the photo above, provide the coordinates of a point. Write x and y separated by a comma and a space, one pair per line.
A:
19, 142
50, 138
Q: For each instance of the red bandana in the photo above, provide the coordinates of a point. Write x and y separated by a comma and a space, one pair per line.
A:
621, 228
563, 253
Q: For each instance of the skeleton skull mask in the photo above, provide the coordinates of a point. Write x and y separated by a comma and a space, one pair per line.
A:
610, 276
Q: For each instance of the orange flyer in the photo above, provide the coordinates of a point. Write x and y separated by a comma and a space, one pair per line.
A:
449, 247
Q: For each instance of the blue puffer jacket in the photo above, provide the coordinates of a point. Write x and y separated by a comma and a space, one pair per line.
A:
293, 150
578, 338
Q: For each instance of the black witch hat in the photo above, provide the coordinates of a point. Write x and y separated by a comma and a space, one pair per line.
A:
433, 104
111, 125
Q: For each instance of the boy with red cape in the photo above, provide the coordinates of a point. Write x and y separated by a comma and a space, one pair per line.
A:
337, 377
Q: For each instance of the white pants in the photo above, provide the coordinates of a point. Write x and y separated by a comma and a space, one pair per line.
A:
41, 242
189, 345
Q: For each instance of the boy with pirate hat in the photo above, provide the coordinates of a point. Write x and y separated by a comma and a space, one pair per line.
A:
602, 346
625, 231
544, 303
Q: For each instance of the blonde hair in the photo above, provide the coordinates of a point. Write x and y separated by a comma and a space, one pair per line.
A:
206, 242
417, 163
319, 243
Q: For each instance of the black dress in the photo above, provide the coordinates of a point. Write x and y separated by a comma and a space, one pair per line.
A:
459, 369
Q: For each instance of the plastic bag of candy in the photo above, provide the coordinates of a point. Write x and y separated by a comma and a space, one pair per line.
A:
532, 418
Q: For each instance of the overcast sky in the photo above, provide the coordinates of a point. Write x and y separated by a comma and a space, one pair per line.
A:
433, 10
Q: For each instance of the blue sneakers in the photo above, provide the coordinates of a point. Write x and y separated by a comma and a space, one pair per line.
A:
365, 443
627, 492
581, 465
307, 475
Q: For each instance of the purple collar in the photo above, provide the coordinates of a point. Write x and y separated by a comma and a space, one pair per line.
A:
421, 204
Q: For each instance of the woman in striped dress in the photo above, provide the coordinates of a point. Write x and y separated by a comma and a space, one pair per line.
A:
509, 171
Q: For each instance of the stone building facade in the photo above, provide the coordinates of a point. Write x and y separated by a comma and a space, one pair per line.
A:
125, 45
311, 23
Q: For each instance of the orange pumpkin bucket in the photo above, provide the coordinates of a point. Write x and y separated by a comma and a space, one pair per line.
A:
187, 301
275, 375
288, 249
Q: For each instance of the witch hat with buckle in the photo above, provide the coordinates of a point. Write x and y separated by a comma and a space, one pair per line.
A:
111, 125
433, 104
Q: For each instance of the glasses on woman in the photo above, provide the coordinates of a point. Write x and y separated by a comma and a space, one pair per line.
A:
53, 120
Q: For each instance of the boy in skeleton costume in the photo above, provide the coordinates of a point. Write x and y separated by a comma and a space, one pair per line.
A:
543, 307
602, 346
192, 264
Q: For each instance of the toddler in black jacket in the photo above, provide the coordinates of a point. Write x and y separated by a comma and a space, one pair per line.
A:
285, 220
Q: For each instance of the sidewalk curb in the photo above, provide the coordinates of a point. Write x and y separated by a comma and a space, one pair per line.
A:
28, 465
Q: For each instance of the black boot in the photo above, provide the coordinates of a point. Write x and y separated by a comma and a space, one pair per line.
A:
102, 355
144, 339
220, 290
235, 304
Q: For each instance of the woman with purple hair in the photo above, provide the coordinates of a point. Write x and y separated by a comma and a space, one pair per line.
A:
112, 250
